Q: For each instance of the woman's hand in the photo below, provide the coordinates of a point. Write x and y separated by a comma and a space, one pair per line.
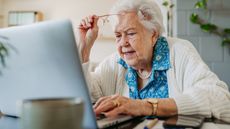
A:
87, 34
112, 106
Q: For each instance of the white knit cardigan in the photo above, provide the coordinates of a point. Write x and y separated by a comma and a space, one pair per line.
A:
195, 89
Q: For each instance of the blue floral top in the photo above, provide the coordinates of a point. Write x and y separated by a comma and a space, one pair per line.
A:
157, 86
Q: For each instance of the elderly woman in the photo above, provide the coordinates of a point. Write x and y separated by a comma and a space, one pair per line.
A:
150, 74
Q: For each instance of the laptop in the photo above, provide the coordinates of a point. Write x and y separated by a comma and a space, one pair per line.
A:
45, 64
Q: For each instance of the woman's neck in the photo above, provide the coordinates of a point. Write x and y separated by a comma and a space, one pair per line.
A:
144, 71
143, 76
145, 67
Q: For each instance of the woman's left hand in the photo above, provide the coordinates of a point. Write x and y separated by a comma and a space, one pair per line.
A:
112, 106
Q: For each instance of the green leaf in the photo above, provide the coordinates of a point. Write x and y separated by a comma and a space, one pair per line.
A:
194, 18
205, 3
2, 60
227, 30
201, 4
4, 51
208, 27
165, 3
226, 41
3, 54
171, 6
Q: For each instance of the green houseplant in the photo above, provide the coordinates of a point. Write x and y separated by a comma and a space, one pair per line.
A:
205, 26
4, 51
223, 33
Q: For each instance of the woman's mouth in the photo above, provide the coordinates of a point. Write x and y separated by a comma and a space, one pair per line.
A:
129, 54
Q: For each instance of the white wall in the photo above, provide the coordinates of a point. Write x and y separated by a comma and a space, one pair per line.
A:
208, 45
1, 6
73, 9
59, 9
62, 9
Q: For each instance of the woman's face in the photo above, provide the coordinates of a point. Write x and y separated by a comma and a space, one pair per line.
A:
134, 42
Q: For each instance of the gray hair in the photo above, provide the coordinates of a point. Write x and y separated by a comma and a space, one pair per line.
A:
148, 12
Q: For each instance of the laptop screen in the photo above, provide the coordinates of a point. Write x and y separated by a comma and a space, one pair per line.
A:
45, 64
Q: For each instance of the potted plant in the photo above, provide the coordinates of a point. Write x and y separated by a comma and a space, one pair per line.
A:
4, 51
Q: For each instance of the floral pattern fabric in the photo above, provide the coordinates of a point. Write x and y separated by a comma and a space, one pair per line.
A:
157, 86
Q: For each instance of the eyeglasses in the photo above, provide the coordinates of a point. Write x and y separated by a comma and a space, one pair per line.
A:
105, 18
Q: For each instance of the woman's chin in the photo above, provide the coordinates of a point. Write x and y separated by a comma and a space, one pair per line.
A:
131, 62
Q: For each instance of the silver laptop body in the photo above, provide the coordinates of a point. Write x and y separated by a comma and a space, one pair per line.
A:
45, 64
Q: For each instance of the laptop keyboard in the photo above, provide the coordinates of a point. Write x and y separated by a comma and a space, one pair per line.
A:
101, 116
107, 122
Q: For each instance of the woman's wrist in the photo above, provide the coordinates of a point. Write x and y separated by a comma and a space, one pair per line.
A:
84, 53
147, 108
166, 107
85, 56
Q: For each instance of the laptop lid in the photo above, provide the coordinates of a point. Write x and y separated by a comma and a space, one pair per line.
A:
45, 64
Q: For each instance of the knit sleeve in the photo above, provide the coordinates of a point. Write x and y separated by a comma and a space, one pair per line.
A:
101, 80
202, 91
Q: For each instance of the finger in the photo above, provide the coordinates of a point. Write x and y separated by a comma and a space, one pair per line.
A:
115, 112
82, 27
90, 18
87, 21
107, 100
99, 101
83, 24
107, 104
105, 107
115, 96
95, 20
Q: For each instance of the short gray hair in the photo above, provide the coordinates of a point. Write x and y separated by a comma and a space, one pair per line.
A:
148, 12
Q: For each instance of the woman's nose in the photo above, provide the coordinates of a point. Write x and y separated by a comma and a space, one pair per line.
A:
124, 41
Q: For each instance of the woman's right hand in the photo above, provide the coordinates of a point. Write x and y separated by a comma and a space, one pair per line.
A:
87, 34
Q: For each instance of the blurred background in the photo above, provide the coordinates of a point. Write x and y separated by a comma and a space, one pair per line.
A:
177, 21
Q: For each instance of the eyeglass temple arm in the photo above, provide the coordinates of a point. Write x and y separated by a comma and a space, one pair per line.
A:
100, 16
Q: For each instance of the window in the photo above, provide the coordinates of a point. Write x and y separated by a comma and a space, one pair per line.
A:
23, 17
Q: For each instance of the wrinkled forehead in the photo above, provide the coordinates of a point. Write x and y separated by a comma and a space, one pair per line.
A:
125, 20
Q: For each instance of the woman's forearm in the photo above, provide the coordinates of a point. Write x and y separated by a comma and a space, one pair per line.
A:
166, 107
85, 55
84, 52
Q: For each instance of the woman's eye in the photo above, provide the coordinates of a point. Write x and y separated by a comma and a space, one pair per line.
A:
118, 36
131, 34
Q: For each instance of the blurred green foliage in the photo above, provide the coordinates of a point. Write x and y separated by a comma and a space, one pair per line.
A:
3, 51
207, 26
5, 48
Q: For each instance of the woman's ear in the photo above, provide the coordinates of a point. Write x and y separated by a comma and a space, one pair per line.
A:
154, 37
